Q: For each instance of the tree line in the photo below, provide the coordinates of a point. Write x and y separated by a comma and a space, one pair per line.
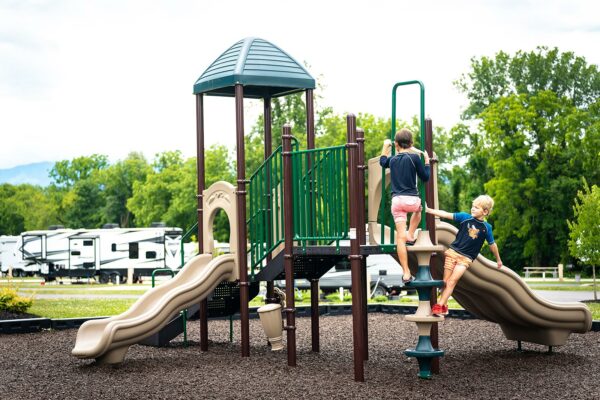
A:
529, 137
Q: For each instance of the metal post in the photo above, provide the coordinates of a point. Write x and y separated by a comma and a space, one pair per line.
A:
288, 257
268, 150
241, 209
355, 257
430, 224
201, 182
362, 235
314, 284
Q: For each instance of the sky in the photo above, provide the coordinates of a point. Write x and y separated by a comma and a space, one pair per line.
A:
114, 76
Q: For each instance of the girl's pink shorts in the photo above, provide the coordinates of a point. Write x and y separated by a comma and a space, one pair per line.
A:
404, 204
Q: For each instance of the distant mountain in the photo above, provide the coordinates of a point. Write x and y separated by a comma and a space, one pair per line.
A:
34, 174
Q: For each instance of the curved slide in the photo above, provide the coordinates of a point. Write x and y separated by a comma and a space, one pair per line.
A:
108, 340
501, 296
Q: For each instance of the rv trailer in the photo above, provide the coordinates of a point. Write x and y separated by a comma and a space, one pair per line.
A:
104, 254
10, 258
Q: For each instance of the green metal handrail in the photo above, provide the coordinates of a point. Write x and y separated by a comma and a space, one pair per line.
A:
385, 217
190, 232
265, 200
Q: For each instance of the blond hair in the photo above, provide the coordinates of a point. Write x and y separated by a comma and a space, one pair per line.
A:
485, 202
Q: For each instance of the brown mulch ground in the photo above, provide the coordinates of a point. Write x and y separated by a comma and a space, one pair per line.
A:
479, 364
4, 315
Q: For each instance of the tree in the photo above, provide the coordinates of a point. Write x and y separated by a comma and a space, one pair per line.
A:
11, 221
564, 74
118, 181
584, 235
534, 131
66, 173
169, 192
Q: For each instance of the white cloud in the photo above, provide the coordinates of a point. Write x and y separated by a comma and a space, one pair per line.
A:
111, 77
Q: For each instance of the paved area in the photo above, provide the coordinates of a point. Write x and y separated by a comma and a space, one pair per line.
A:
565, 296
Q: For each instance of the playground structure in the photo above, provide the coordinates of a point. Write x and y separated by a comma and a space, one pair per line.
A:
302, 204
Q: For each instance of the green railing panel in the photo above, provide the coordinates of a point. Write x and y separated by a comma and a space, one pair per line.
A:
319, 181
265, 212
320, 187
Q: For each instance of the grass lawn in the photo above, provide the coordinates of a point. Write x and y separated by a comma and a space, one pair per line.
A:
79, 308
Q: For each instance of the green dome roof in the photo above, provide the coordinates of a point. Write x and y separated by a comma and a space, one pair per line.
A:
261, 67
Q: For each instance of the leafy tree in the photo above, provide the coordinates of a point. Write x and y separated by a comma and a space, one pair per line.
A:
528, 73
584, 235
11, 221
535, 131
82, 206
118, 181
66, 173
169, 192
25, 207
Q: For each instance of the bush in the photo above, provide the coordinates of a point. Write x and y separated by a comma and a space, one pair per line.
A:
335, 297
10, 301
380, 299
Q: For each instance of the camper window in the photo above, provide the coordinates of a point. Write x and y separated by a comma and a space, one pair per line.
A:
134, 250
150, 254
88, 242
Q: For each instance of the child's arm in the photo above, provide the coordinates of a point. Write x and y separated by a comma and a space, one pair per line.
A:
386, 150
439, 213
496, 253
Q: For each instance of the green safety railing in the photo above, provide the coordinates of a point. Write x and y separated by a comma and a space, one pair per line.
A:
265, 202
320, 187
187, 235
385, 217
320, 190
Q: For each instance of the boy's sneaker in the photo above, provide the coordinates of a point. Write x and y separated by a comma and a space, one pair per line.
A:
439, 310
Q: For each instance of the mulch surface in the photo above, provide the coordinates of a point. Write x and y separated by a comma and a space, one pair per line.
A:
4, 315
480, 363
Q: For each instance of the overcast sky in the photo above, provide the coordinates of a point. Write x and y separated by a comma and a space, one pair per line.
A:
115, 76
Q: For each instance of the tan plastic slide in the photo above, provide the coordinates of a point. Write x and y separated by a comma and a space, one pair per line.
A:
501, 296
496, 295
107, 340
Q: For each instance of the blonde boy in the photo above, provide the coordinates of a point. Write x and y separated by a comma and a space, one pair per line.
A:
473, 231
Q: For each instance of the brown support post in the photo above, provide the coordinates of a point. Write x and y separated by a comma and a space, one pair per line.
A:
430, 226
355, 257
241, 209
200, 168
268, 150
288, 256
310, 119
362, 235
314, 283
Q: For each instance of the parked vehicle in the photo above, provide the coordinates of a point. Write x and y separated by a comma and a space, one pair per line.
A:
106, 254
10, 258
384, 271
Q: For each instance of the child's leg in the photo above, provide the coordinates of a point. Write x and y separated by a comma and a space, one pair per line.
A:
415, 220
401, 247
451, 282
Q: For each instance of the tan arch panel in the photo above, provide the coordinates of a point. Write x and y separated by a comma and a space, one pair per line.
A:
220, 196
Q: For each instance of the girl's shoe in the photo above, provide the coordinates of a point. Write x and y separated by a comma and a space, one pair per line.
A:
410, 279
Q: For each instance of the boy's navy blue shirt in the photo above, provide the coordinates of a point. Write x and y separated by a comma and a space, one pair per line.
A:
404, 168
471, 235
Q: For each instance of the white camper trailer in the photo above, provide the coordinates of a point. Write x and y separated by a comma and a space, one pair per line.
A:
105, 254
11, 260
